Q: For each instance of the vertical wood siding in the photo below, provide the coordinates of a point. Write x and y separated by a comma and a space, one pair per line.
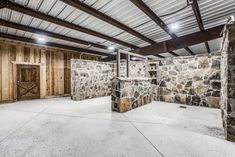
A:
54, 69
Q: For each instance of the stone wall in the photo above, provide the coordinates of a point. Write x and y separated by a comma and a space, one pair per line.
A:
91, 79
190, 80
130, 93
137, 69
228, 82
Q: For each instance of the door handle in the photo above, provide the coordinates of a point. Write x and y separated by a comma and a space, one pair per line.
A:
18, 82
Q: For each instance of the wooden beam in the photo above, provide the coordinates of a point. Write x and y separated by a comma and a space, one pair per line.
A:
86, 8
49, 34
143, 7
182, 42
34, 41
46, 17
198, 16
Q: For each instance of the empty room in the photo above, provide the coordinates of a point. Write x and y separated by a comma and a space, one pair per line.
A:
117, 78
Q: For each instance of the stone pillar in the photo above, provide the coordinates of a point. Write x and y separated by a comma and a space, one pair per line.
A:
228, 82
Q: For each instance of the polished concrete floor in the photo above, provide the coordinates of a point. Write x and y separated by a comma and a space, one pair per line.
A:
61, 127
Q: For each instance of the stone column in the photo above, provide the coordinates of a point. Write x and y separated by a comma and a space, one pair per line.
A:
228, 82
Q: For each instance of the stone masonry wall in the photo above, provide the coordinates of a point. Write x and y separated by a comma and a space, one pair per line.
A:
190, 80
228, 82
91, 79
130, 93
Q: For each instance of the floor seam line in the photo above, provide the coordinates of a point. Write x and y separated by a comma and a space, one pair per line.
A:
145, 137
23, 125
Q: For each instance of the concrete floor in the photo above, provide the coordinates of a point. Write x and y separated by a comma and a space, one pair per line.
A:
61, 127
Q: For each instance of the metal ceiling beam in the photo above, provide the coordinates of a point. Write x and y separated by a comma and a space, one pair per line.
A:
159, 56
173, 53
50, 44
144, 8
86, 8
2, 4
182, 42
198, 16
43, 16
189, 51
49, 34
112, 58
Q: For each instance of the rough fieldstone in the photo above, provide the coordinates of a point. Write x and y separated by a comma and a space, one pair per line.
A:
192, 91
215, 76
203, 64
172, 72
178, 68
214, 102
216, 93
216, 85
192, 67
227, 83
196, 99
136, 94
197, 78
179, 86
163, 84
124, 105
189, 84
216, 64
177, 99
189, 100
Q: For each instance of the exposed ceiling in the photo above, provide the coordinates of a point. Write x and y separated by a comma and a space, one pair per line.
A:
130, 27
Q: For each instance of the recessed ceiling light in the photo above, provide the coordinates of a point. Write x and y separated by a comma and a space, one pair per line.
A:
111, 48
174, 27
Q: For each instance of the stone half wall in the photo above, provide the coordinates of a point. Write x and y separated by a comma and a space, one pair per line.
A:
190, 80
91, 79
130, 93
228, 82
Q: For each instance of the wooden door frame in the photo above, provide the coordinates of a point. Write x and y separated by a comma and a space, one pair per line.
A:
42, 74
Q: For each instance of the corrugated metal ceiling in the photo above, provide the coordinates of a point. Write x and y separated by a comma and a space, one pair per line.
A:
214, 13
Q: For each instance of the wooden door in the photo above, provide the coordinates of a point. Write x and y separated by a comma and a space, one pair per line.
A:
28, 82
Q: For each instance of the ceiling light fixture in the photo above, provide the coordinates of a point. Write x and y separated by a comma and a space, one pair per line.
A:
133, 58
174, 27
111, 48
41, 40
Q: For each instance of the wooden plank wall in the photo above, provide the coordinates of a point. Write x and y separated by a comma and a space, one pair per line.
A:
54, 68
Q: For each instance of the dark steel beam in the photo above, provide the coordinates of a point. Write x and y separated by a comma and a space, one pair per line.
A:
86, 8
2, 4
50, 44
173, 53
189, 51
112, 58
182, 42
43, 16
159, 56
144, 8
49, 34
198, 16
